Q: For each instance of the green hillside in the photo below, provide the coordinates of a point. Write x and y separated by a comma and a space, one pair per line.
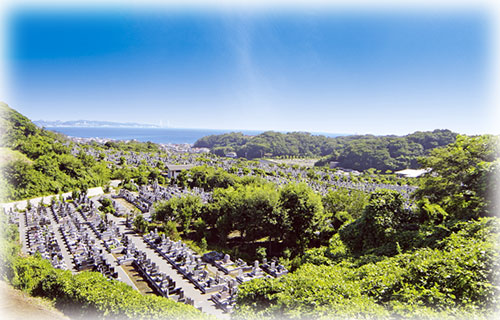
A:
353, 152
38, 162
438, 260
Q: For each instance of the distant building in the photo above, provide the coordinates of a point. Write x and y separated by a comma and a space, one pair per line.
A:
200, 150
267, 161
173, 170
411, 173
333, 164
231, 154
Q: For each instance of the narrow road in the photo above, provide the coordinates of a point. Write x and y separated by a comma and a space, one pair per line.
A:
22, 231
64, 250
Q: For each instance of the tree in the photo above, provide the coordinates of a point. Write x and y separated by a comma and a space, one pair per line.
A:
140, 224
349, 201
106, 205
461, 174
203, 244
165, 210
256, 213
75, 194
182, 210
382, 218
304, 215
170, 228
261, 253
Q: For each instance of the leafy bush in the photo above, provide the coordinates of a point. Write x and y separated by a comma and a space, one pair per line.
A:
382, 220
457, 279
107, 205
462, 175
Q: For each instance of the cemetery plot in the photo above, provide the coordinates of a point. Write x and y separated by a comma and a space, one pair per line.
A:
195, 269
41, 238
72, 235
91, 239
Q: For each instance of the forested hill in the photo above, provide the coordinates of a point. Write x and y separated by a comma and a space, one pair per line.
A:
358, 152
16, 129
38, 162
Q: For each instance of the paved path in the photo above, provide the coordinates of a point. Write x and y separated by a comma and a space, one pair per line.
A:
22, 231
200, 299
64, 250
21, 204
122, 275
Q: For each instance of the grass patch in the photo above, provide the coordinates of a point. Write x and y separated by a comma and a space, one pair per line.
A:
8, 155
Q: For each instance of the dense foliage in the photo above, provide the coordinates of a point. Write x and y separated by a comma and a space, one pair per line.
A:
51, 168
344, 205
384, 219
207, 178
437, 260
90, 294
182, 210
354, 152
9, 247
292, 215
463, 176
454, 280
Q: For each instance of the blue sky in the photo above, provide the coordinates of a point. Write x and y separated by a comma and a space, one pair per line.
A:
340, 71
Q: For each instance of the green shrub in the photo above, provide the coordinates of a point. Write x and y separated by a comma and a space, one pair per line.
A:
456, 279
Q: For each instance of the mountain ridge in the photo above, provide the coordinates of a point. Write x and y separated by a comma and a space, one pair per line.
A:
92, 123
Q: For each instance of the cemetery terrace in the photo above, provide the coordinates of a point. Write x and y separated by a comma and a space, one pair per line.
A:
74, 235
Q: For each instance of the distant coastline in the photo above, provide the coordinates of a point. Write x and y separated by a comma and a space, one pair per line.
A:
154, 134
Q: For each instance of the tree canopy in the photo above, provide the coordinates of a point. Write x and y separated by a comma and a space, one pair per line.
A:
353, 152
462, 176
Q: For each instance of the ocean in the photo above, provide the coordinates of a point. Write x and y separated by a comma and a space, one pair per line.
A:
157, 135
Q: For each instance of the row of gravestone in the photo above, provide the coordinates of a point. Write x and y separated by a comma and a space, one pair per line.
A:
186, 262
133, 199
191, 266
245, 272
154, 192
41, 238
78, 238
162, 283
83, 248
